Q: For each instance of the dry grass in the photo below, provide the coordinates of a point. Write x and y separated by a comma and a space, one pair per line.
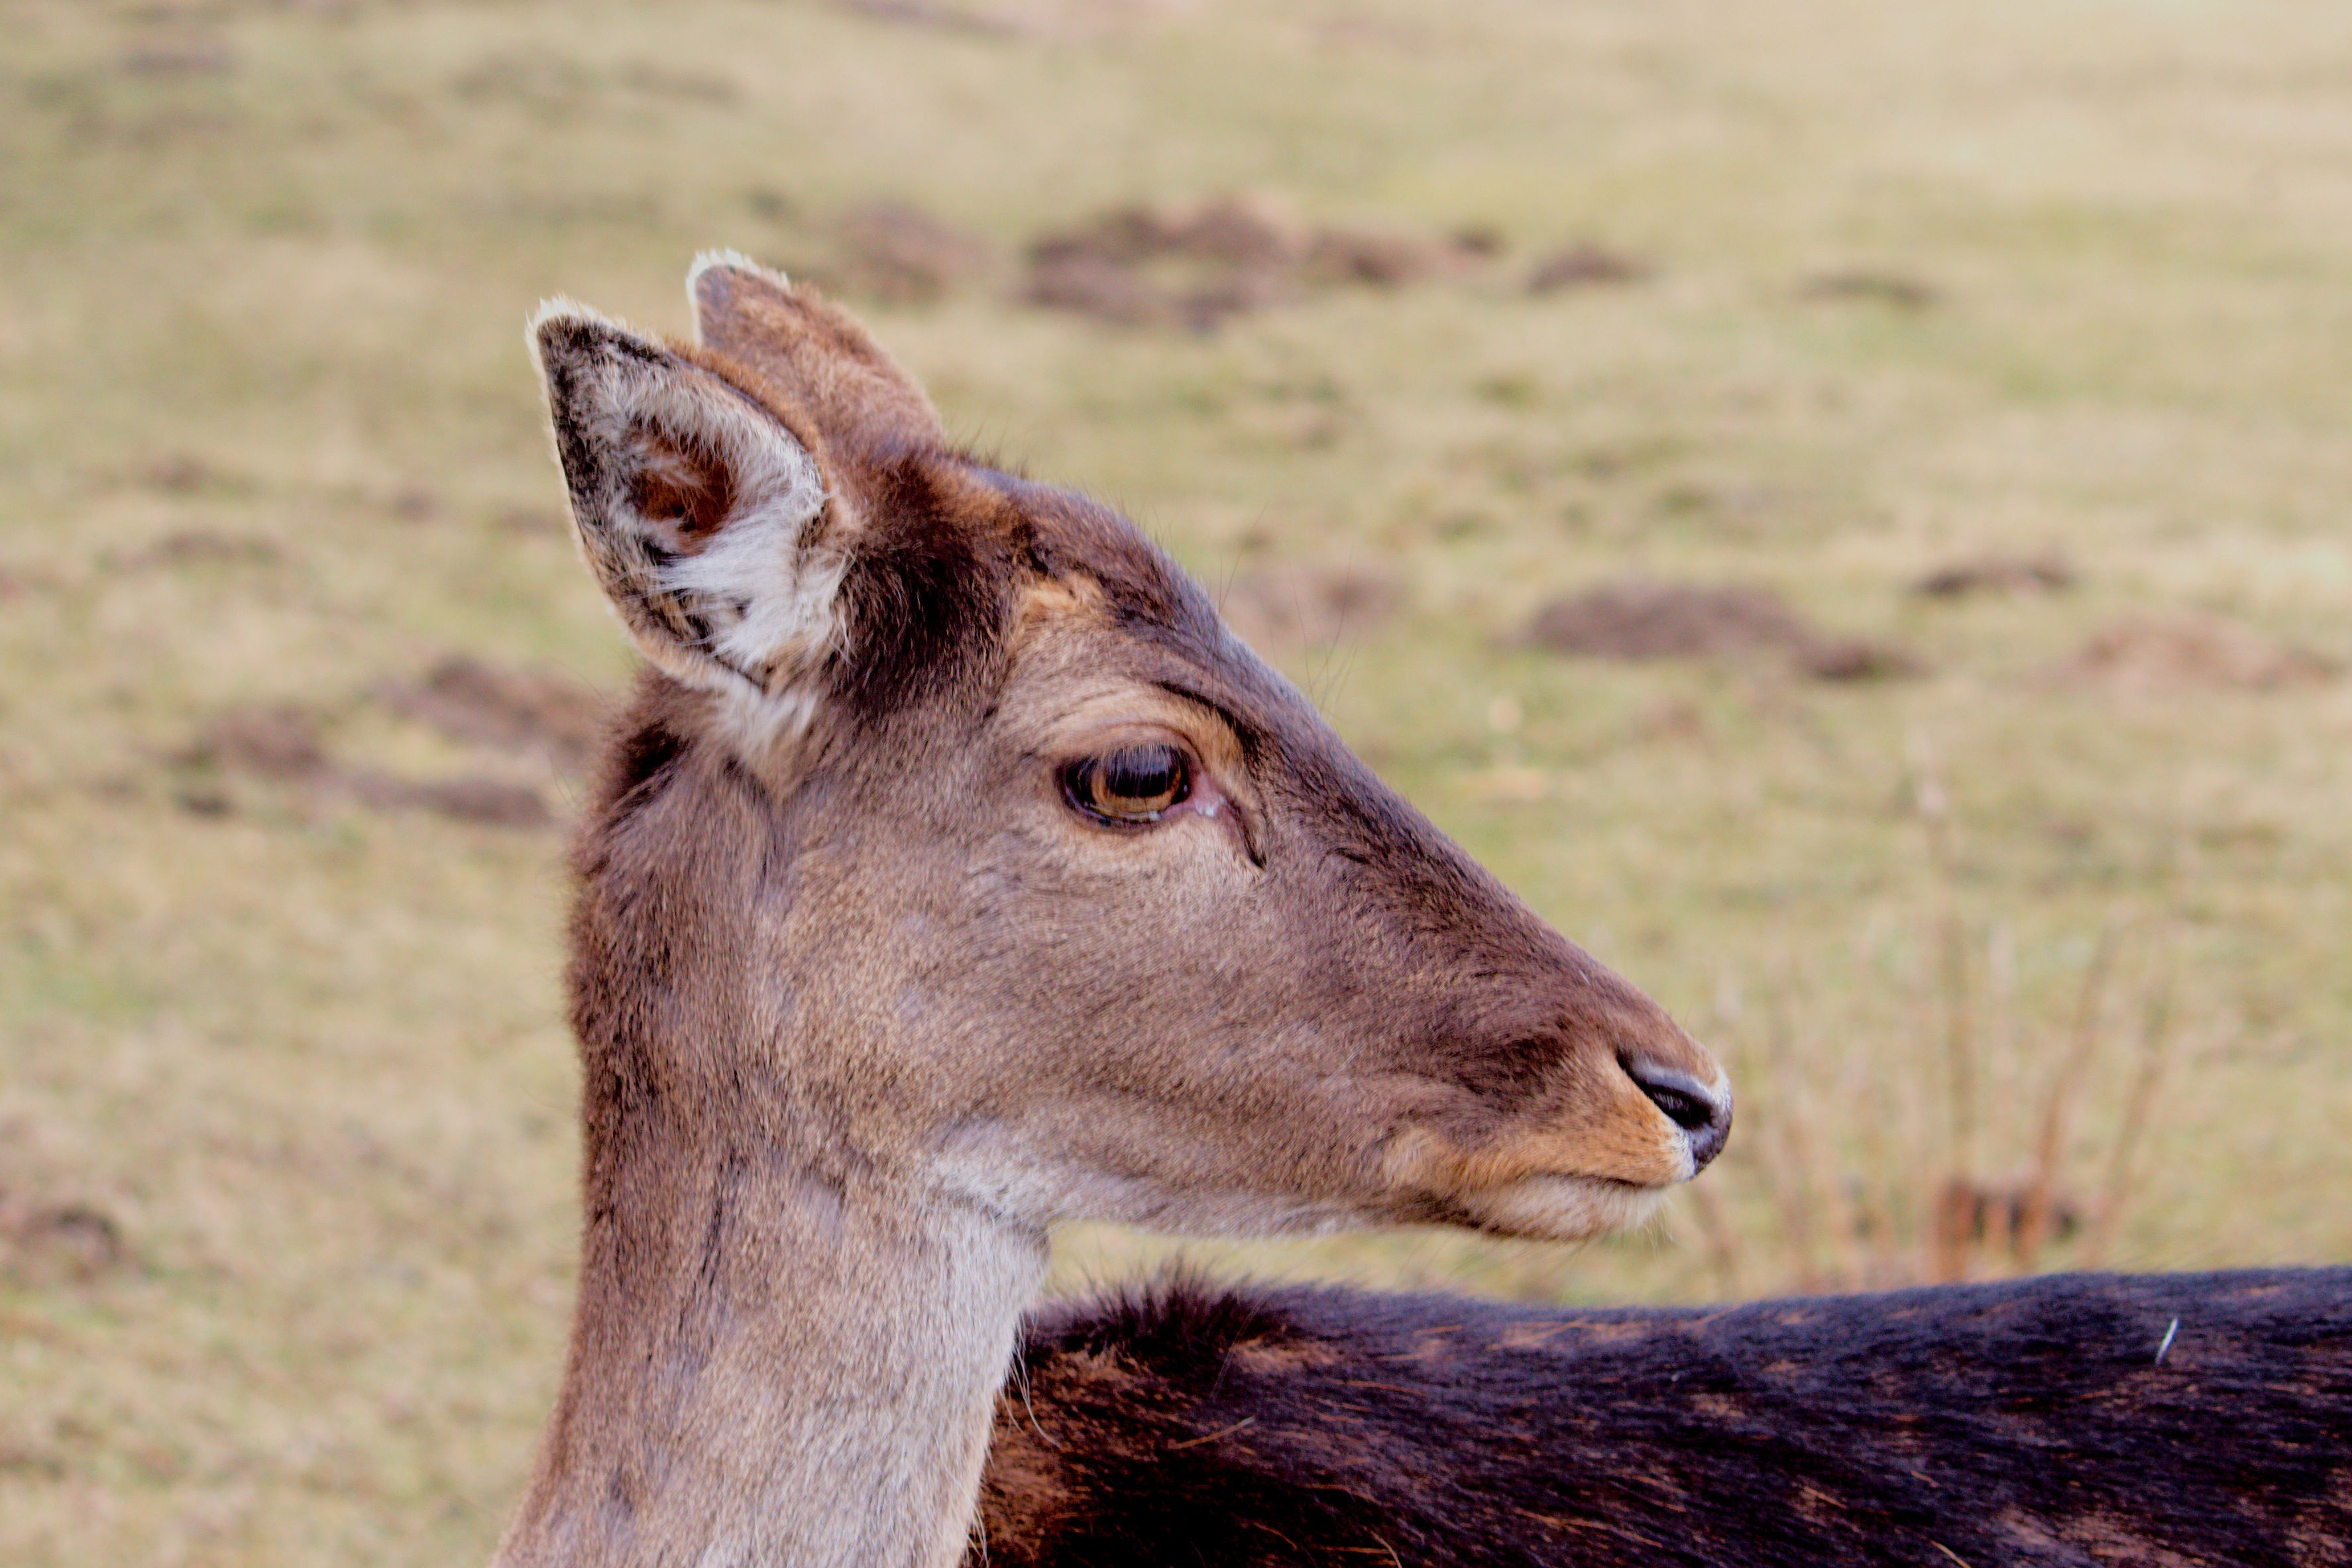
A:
285, 1146
1985, 1130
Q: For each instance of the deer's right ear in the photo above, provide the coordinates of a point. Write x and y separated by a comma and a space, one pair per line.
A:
702, 515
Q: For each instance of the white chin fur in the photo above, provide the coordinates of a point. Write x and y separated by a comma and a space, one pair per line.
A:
1564, 1208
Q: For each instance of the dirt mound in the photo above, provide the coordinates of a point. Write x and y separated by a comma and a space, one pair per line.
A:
1857, 659
1198, 266
282, 745
1389, 258
490, 803
896, 254
1997, 575
1123, 295
1640, 618
1308, 606
1896, 288
1585, 266
510, 710
1229, 231
50, 1243
270, 740
193, 547
2187, 652
1156, 266
194, 56
176, 473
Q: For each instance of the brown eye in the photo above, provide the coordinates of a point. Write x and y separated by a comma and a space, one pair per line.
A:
1132, 784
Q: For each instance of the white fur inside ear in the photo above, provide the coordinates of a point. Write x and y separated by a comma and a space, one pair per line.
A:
764, 596
768, 599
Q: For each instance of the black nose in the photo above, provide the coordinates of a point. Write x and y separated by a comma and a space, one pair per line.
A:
1702, 1114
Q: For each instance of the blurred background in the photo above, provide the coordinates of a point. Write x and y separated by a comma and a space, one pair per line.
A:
1842, 505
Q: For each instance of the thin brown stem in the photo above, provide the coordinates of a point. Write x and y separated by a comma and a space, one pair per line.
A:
2037, 1203
2140, 1105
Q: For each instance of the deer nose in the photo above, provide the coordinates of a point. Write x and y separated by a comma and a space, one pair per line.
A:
1701, 1110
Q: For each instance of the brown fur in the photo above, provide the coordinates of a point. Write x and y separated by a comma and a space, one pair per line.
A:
864, 1004
2066, 1421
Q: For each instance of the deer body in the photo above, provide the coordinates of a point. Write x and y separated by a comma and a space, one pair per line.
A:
955, 872
2073, 1420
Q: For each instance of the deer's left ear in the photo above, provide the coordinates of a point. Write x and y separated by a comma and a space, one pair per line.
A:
705, 519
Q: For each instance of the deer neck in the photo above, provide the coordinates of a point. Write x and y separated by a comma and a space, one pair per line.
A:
772, 1364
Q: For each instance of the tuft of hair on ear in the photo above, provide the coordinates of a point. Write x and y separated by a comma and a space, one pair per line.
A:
704, 519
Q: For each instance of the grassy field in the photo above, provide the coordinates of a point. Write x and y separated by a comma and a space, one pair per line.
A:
286, 1152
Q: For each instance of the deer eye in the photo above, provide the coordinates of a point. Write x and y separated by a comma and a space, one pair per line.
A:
1132, 786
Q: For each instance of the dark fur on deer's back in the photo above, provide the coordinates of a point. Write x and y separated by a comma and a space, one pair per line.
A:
2024, 1423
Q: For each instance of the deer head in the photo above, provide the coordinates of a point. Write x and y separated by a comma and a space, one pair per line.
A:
967, 832
962, 829
956, 862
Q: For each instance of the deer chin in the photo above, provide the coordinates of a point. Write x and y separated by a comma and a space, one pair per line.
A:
1561, 1207
1529, 1185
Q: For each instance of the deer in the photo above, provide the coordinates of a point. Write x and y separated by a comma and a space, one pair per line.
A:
953, 872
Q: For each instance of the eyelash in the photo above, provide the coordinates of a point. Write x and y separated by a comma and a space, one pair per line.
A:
1133, 787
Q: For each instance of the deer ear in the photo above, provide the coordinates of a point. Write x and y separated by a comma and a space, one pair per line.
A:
703, 518
809, 347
